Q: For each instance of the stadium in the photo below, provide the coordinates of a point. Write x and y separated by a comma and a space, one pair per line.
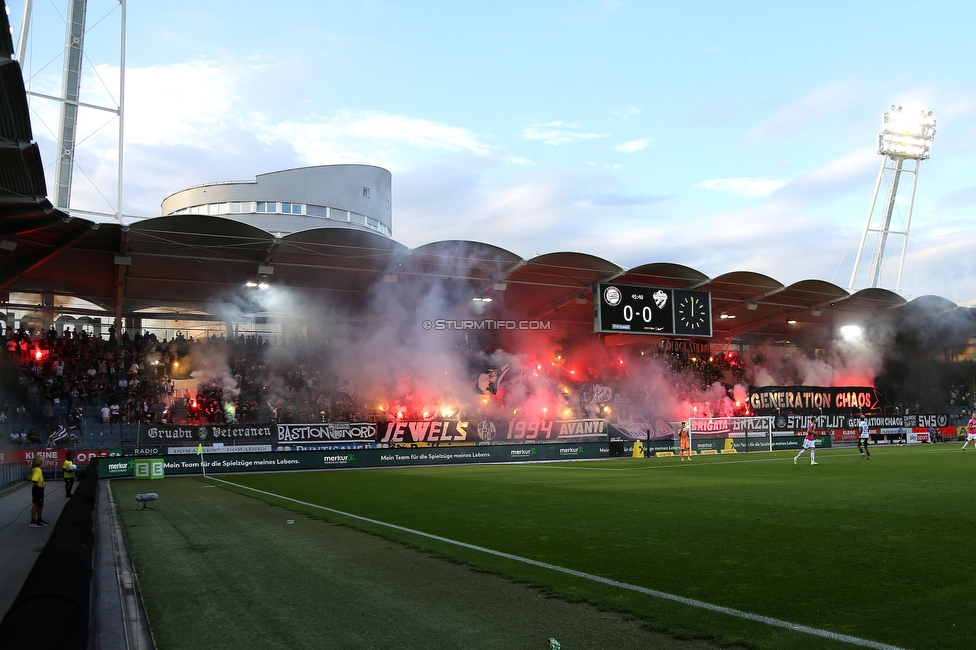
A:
258, 347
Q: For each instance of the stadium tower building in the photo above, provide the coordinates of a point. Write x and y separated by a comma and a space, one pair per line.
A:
283, 202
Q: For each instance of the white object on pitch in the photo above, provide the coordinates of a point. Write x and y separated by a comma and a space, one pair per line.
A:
72, 467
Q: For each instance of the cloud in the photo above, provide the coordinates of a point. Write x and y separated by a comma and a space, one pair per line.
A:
626, 113
558, 132
360, 136
191, 103
962, 198
463, 198
633, 146
854, 172
793, 117
745, 187
186, 118
181, 103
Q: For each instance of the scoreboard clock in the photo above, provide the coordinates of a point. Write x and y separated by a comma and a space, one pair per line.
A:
692, 313
634, 309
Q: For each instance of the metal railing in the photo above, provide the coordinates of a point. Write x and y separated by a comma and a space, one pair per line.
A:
12, 473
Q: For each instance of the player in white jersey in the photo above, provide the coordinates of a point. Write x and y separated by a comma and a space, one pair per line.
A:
863, 440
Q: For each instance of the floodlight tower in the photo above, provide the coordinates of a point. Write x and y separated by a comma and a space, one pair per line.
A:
70, 100
904, 142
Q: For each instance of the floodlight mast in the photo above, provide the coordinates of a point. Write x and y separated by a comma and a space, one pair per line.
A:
70, 101
903, 137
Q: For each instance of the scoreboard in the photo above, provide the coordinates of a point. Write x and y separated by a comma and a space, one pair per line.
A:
634, 309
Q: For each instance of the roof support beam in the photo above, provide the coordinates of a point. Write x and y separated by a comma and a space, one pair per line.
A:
33, 225
34, 260
120, 272
565, 300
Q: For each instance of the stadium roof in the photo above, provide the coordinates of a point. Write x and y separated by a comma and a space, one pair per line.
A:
190, 261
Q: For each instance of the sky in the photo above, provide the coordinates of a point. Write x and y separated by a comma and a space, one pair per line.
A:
723, 136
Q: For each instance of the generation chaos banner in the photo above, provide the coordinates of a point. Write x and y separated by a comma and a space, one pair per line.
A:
832, 400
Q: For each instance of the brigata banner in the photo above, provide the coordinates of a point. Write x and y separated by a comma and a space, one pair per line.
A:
730, 427
830, 400
234, 434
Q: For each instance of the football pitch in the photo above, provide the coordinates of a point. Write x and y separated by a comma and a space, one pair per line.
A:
747, 550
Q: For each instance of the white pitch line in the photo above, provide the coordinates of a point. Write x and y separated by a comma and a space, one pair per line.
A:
775, 622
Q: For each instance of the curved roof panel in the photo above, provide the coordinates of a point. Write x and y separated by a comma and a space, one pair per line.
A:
459, 259
664, 274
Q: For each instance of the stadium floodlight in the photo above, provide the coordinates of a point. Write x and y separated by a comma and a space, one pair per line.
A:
906, 135
851, 332
905, 141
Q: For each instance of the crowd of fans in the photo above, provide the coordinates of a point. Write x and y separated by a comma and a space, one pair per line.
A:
90, 384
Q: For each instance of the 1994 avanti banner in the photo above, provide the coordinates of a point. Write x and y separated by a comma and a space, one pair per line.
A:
389, 433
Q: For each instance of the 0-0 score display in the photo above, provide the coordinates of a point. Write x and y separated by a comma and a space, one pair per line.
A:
627, 308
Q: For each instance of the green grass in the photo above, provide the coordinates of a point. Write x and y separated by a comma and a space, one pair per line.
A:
875, 549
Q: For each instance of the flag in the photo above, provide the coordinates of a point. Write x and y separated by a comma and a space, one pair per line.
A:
200, 449
601, 394
489, 381
57, 436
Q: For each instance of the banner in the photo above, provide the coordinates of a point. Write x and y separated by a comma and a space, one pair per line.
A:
327, 432
219, 449
229, 433
637, 427
828, 400
174, 465
53, 458
446, 432
730, 427
405, 432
